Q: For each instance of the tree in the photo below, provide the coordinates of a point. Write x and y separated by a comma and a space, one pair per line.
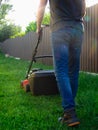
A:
4, 9
8, 31
2, 0
46, 19
32, 26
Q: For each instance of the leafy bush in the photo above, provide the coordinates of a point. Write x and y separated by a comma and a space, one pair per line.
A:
7, 31
31, 27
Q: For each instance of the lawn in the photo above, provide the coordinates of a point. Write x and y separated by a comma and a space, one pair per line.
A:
23, 111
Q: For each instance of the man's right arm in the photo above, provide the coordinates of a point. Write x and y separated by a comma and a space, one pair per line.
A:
40, 14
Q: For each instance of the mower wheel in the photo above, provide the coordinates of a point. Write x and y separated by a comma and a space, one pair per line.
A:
27, 88
21, 84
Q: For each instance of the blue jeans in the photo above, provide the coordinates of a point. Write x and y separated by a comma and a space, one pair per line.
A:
66, 46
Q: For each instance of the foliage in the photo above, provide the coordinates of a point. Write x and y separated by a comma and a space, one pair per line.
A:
4, 9
22, 111
2, 1
8, 30
46, 19
21, 34
32, 26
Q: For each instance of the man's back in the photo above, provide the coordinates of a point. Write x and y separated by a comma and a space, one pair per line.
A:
66, 10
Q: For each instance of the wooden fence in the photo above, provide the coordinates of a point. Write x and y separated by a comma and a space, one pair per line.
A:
89, 56
23, 47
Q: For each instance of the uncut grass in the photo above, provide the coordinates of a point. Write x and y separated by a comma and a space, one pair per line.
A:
22, 111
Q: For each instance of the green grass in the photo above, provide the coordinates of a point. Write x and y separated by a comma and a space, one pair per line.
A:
23, 111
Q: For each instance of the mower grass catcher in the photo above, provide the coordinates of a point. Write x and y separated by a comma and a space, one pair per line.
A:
38, 81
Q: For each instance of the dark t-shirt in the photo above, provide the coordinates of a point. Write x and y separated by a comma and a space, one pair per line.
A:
65, 12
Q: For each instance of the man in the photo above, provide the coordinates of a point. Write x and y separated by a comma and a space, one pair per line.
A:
66, 36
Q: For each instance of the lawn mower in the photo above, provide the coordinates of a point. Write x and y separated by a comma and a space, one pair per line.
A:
37, 80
